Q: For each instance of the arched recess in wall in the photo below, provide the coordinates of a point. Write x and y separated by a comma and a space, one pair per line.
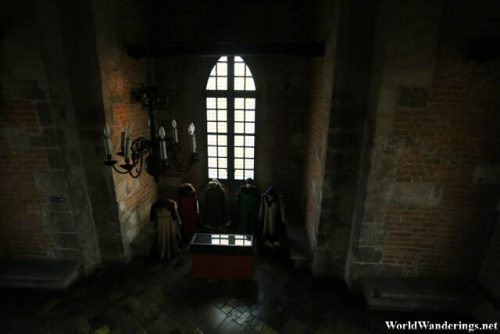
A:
230, 117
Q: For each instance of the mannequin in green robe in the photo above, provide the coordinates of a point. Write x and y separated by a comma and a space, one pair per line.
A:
248, 202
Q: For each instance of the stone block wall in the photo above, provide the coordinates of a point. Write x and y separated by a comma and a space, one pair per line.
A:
343, 136
46, 213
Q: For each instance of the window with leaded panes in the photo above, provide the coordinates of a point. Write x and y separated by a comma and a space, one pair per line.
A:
230, 102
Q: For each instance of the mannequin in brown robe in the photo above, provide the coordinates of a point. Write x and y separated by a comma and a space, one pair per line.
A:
166, 218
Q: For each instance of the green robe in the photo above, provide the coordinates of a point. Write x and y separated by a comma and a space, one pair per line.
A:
248, 202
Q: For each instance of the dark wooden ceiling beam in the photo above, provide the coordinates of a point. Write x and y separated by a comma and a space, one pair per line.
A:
162, 49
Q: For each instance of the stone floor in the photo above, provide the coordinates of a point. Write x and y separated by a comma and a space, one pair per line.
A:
148, 296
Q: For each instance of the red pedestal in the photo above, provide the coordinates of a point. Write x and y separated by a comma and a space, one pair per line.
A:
223, 266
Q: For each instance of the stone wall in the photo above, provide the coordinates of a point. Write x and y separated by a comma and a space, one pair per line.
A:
429, 209
349, 67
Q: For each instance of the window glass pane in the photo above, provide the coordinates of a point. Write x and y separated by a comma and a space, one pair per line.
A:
223, 162
239, 152
221, 103
212, 162
239, 69
250, 128
211, 115
242, 116
211, 83
222, 115
248, 73
239, 141
212, 140
248, 173
239, 115
211, 102
250, 85
212, 173
222, 140
223, 173
222, 151
212, 151
249, 141
239, 127
250, 103
238, 174
221, 83
249, 152
239, 103
239, 83
248, 163
250, 116
222, 69
211, 126
222, 127
238, 163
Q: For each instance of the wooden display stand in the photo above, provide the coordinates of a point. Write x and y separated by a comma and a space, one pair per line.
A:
222, 256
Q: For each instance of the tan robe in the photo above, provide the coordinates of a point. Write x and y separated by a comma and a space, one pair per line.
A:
271, 213
167, 224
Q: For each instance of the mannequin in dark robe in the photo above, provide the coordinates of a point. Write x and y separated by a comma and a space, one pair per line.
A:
166, 219
215, 213
188, 211
272, 214
248, 203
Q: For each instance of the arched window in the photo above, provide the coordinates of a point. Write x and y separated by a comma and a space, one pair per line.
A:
231, 120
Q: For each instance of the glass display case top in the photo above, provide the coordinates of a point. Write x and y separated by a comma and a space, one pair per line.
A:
239, 240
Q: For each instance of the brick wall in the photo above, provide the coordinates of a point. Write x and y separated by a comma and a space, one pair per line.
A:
318, 122
427, 211
23, 232
40, 148
281, 83
122, 22
280, 120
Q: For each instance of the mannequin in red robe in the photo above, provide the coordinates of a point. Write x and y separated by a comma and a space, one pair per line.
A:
188, 211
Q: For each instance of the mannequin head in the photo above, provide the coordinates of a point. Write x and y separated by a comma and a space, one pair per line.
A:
271, 191
250, 182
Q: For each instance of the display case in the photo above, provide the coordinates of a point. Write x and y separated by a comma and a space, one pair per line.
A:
224, 256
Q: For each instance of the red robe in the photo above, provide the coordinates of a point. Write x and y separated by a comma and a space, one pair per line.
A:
188, 210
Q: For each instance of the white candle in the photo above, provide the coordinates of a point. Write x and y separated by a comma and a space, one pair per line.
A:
174, 128
191, 131
107, 143
127, 148
163, 144
122, 139
194, 143
163, 150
